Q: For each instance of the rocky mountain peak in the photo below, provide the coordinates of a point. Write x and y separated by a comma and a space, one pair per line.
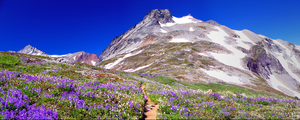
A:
28, 49
28, 46
161, 15
212, 22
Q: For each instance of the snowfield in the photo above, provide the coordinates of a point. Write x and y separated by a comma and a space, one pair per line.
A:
284, 62
279, 85
139, 68
110, 65
233, 59
223, 76
56, 55
182, 20
243, 38
180, 40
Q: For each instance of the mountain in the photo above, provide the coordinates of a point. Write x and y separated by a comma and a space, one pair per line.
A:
28, 49
194, 50
81, 57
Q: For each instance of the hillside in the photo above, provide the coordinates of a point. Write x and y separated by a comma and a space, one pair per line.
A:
37, 87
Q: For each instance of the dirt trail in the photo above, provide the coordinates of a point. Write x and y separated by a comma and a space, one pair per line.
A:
150, 107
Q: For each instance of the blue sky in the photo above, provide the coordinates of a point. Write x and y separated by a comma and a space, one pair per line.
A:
69, 26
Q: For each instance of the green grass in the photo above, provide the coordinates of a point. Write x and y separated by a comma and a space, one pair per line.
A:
66, 109
8, 60
216, 87
206, 62
164, 80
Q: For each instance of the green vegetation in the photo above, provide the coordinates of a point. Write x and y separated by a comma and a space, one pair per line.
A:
258, 51
206, 62
82, 91
216, 87
8, 60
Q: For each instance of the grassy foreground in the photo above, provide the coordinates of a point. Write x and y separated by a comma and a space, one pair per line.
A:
35, 87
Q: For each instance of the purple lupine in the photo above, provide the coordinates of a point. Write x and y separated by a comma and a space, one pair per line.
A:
116, 106
26, 111
130, 104
107, 106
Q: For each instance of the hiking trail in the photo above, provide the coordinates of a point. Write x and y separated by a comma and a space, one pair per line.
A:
150, 107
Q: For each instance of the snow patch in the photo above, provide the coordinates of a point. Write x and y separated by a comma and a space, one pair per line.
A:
277, 84
167, 24
297, 47
223, 76
182, 20
133, 70
289, 53
242, 38
57, 55
191, 29
163, 31
110, 65
93, 62
203, 54
284, 62
180, 40
233, 59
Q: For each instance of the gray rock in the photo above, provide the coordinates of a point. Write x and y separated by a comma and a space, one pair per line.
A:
32, 51
262, 63
159, 15
131, 39
212, 22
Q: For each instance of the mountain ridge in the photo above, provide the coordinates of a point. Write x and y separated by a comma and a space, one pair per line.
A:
70, 58
194, 50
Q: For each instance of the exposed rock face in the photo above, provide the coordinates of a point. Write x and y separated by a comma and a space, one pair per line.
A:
212, 22
161, 16
88, 58
32, 51
262, 63
132, 38
81, 57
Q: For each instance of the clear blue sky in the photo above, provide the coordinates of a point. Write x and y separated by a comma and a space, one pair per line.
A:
68, 26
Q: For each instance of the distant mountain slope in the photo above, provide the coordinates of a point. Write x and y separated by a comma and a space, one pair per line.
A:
194, 50
82, 57
28, 49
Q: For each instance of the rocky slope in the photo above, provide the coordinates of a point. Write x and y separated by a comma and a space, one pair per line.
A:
81, 57
28, 49
193, 50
